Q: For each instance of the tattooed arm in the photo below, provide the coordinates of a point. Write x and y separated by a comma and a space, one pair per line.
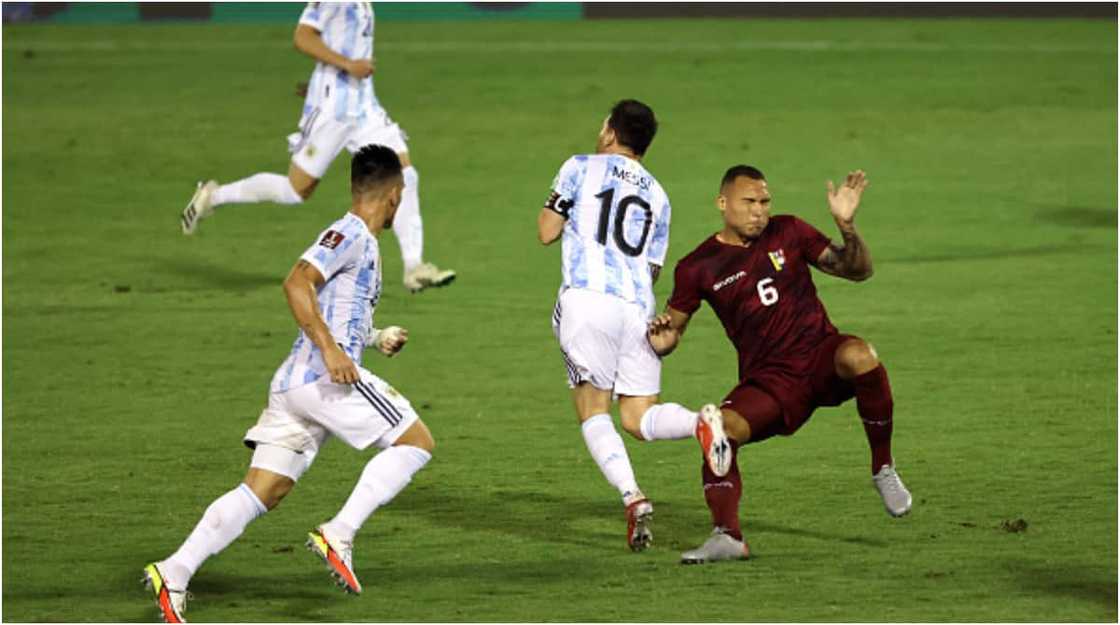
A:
852, 260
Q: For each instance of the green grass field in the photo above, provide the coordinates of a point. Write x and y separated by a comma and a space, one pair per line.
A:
135, 358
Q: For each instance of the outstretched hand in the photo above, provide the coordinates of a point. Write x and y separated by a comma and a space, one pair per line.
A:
392, 341
843, 201
662, 336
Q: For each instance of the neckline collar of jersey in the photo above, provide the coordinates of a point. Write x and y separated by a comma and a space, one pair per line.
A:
361, 221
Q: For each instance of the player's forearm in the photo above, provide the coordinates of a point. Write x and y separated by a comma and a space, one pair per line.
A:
855, 257
305, 309
308, 41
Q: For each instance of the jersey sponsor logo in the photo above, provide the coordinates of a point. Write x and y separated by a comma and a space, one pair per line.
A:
728, 280
332, 239
778, 259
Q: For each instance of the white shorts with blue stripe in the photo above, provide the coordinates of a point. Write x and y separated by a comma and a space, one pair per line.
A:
369, 412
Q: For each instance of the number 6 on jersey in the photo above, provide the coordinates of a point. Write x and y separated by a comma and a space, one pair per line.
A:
767, 293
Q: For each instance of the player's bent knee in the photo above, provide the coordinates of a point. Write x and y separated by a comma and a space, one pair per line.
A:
273, 471
417, 435
736, 426
633, 425
269, 487
855, 357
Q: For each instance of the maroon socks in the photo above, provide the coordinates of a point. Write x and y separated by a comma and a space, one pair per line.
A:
723, 494
875, 405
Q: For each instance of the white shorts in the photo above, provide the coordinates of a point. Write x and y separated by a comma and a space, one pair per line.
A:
321, 137
603, 342
369, 412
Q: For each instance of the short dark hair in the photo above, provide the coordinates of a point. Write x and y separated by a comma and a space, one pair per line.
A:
373, 166
740, 171
633, 124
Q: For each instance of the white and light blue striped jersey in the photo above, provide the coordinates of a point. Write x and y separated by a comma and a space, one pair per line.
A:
617, 224
348, 256
346, 28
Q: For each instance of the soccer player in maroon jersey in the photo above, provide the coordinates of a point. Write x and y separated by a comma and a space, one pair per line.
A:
755, 275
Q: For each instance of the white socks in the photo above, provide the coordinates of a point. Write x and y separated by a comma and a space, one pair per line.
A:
222, 522
384, 476
668, 422
609, 452
407, 225
257, 188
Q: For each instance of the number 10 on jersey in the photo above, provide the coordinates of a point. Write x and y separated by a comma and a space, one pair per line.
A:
606, 197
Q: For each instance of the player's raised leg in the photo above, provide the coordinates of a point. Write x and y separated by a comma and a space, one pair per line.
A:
222, 522
857, 362
383, 478
262, 187
409, 228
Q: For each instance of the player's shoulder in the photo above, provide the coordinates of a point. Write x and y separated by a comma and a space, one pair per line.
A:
707, 248
787, 225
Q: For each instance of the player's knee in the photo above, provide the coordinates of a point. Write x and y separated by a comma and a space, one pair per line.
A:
632, 424
855, 357
270, 488
736, 426
303, 192
418, 436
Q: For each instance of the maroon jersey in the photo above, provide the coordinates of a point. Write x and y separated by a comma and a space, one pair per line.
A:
765, 298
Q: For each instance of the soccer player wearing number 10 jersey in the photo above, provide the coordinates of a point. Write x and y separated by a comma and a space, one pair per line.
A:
755, 275
613, 216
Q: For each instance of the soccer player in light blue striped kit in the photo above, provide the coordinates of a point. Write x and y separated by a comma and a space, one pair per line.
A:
319, 391
340, 111
613, 217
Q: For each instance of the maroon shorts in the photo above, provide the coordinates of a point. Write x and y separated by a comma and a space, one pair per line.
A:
779, 401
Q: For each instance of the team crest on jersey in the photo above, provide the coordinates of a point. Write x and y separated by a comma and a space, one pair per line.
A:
331, 239
778, 259
310, 151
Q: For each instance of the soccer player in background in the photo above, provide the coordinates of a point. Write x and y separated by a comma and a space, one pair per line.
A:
755, 275
321, 390
340, 111
613, 217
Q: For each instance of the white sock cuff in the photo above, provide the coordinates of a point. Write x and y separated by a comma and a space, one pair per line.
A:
415, 457
254, 501
289, 193
646, 423
594, 421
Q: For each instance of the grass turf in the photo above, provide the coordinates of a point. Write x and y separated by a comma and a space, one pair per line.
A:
134, 358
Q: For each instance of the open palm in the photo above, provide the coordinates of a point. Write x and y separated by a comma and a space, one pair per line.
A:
843, 201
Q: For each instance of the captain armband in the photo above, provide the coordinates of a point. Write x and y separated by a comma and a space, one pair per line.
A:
559, 206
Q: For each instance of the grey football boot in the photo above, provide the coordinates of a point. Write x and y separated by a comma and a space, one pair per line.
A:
719, 546
896, 498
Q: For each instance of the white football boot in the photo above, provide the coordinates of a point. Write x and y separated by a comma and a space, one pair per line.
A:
719, 546
713, 440
896, 498
338, 556
427, 275
171, 603
199, 207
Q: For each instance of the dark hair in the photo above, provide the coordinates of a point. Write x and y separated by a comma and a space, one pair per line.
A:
740, 171
373, 166
633, 124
